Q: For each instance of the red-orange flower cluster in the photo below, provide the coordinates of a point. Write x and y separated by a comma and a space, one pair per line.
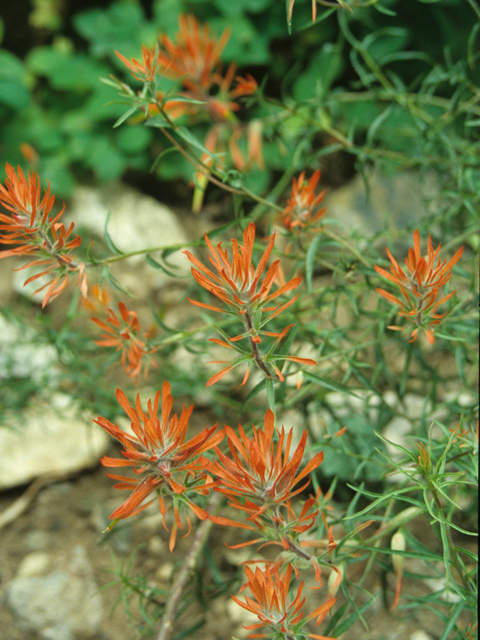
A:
193, 59
165, 463
125, 333
260, 479
260, 469
270, 604
27, 224
240, 285
302, 206
420, 286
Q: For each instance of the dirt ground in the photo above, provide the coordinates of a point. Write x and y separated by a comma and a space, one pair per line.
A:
74, 512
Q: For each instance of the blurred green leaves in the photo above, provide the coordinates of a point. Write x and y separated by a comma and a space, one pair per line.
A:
14, 91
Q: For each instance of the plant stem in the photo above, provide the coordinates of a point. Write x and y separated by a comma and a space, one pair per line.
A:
186, 571
347, 246
256, 353
451, 546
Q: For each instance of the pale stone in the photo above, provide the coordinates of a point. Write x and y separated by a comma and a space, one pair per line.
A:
136, 222
35, 564
49, 438
446, 591
393, 201
30, 290
22, 354
164, 571
236, 613
419, 635
63, 604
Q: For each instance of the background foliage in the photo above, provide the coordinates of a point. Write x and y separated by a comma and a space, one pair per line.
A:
361, 88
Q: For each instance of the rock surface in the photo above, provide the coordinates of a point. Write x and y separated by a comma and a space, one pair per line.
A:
57, 602
22, 355
393, 201
136, 222
49, 438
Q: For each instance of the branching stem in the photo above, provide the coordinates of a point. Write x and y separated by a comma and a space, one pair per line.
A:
186, 571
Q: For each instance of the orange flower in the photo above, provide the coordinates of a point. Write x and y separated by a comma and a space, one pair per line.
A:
193, 59
143, 72
194, 54
302, 206
270, 603
124, 333
420, 287
159, 454
98, 299
29, 153
238, 283
256, 469
27, 225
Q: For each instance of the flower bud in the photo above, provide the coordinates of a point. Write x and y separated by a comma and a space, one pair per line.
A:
397, 544
334, 579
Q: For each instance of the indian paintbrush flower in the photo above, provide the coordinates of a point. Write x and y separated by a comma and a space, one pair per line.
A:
420, 286
165, 463
261, 469
303, 205
270, 603
28, 225
125, 333
246, 291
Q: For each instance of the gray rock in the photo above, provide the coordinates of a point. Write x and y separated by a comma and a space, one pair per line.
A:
22, 355
49, 438
63, 604
393, 201
136, 222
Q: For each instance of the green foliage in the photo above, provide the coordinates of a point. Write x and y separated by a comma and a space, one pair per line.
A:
369, 83
388, 90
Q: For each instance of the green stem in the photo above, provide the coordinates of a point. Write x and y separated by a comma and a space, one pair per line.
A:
347, 246
171, 247
474, 7
256, 353
451, 546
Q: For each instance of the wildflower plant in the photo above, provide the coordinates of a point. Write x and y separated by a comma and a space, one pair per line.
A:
124, 332
311, 485
240, 285
420, 288
25, 223
166, 464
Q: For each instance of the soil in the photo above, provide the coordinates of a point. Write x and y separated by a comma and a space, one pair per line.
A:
74, 511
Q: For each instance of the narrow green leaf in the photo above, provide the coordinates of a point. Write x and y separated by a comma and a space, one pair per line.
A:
270, 388
125, 116
109, 242
452, 619
328, 384
252, 393
310, 260
188, 136
90, 255
346, 624
107, 275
